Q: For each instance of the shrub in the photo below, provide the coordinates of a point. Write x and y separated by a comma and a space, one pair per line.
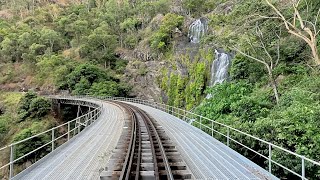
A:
108, 88
33, 143
26, 100
39, 107
82, 87
33, 106
161, 39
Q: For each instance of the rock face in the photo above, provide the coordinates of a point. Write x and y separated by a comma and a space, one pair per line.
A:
144, 67
143, 77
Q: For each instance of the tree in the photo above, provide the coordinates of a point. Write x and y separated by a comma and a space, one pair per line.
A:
300, 27
39, 107
78, 28
50, 37
100, 46
82, 87
107, 88
266, 58
161, 39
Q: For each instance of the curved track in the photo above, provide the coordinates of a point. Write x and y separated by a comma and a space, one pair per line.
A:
145, 153
127, 143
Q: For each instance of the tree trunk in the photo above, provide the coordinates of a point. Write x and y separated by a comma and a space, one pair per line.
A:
51, 47
315, 54
273, 84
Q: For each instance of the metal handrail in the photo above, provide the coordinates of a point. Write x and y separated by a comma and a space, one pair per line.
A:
89, 117
177, 112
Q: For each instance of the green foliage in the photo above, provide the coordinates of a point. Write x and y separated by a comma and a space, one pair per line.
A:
82, 87
90, 79
293, 124
86, 71
39, 107
26, 101
130, 24
99, 46
244, 69
253, 106
51, 39
223, 97
196, 86
67, 48
161, 39
172, 88
199, 7
54, 69
33, 106
108, 88
23, 148
3, 126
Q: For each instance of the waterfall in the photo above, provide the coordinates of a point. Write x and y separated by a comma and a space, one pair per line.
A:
197, 30
220, 68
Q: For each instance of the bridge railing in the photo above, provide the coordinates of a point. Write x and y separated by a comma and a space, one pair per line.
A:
49, 139
209, 126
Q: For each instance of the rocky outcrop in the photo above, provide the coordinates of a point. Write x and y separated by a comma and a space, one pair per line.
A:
143, 77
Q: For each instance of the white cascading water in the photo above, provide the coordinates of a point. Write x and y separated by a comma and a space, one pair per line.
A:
197, 30
219, 69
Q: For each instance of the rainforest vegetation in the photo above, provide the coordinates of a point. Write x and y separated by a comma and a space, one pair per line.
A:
89, 47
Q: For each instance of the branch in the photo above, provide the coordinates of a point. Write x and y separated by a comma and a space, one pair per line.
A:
270, 17
251, 57
260, 35
287, 24
316, 22
278, 48
317, 17
251, 45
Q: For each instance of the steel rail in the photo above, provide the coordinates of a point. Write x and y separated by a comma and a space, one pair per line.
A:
146, 119
125, 172
187, 114
139, 154
151, 130
204, 121
163, 153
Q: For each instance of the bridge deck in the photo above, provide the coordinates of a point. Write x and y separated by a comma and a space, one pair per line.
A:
206, 157
85, 155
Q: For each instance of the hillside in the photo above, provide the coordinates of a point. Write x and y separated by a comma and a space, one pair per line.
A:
251, 64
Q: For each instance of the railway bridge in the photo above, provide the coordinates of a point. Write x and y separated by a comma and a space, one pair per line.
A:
126, 138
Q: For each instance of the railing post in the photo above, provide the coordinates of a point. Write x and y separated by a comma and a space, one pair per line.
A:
212, 128
52, 140
270, 156
303, 168
78, 124
68, 130
200, 122
11, 174
228, 137
78, 112
93, 114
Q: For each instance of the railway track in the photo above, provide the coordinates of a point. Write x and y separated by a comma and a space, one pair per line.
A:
144, 151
